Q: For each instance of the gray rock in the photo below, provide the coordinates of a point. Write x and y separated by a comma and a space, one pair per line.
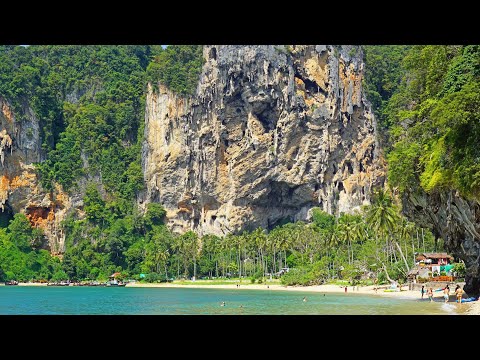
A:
456, 221
271, 132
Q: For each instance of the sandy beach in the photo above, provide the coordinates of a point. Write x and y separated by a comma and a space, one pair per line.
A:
370, 290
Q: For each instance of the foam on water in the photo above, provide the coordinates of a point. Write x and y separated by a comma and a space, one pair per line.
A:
450, 308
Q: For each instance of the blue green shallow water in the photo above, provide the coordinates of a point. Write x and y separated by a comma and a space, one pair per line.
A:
19, 300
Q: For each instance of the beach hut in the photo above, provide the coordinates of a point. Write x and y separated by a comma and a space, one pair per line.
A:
436, 259
115, 275
435, 266
412, 275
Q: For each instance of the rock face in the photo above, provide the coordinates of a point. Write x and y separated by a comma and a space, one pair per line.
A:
20, 191
271, 132
457, 222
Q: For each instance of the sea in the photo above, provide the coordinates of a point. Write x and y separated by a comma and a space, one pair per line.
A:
72, 300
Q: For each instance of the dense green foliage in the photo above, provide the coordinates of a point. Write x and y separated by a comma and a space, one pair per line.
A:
20, 257
177, 67
90, 104
383, 74
351, 247
354, 248
432, 115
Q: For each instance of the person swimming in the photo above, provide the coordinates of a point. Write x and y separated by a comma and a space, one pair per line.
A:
223, 303
304, 299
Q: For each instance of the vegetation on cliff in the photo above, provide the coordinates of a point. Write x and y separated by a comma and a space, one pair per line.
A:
432, 115
177, 67
21, 258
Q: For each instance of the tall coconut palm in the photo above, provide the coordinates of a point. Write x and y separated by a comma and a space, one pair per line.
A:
260, 240
382, 215
351, 230
407, 229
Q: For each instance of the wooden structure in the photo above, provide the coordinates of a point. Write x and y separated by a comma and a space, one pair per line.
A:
434, 258
431, 266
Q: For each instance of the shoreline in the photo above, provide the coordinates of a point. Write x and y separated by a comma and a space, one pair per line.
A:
472, 308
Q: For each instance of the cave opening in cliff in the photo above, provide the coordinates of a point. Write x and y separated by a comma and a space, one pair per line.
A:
280, 222
311, 87
6, 215
362, 169
268, 117
213, 53
349, 166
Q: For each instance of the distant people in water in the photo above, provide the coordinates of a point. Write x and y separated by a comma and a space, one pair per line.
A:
223, 303
304, 299
459, 293
345, 289
430, 294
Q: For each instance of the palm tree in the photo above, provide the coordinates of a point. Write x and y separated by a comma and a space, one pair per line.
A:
260, 240
163, 256
350, 230
382, 215
407, 230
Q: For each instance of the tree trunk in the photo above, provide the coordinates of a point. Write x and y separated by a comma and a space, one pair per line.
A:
386, 273
403, 256
423, 241
413, 250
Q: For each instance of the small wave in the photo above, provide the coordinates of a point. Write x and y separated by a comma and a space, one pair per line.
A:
449, 308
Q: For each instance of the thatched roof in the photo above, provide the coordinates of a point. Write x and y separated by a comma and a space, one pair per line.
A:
413, 272
442, 255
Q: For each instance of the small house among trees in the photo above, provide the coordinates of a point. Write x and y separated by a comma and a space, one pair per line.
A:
434, 258
432, 266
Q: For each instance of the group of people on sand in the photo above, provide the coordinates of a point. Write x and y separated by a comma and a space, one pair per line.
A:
446, 293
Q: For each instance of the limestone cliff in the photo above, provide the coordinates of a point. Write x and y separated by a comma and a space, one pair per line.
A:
455, 220
20, 191
271, 132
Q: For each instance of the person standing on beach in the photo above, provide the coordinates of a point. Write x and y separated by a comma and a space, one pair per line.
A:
430, 294
446, 293
459, 293
423, 290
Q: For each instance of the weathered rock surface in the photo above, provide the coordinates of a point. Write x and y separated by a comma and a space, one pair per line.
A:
271, 132
456, 221
20, 191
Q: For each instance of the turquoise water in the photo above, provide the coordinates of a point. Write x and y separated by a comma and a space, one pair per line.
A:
19, 300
